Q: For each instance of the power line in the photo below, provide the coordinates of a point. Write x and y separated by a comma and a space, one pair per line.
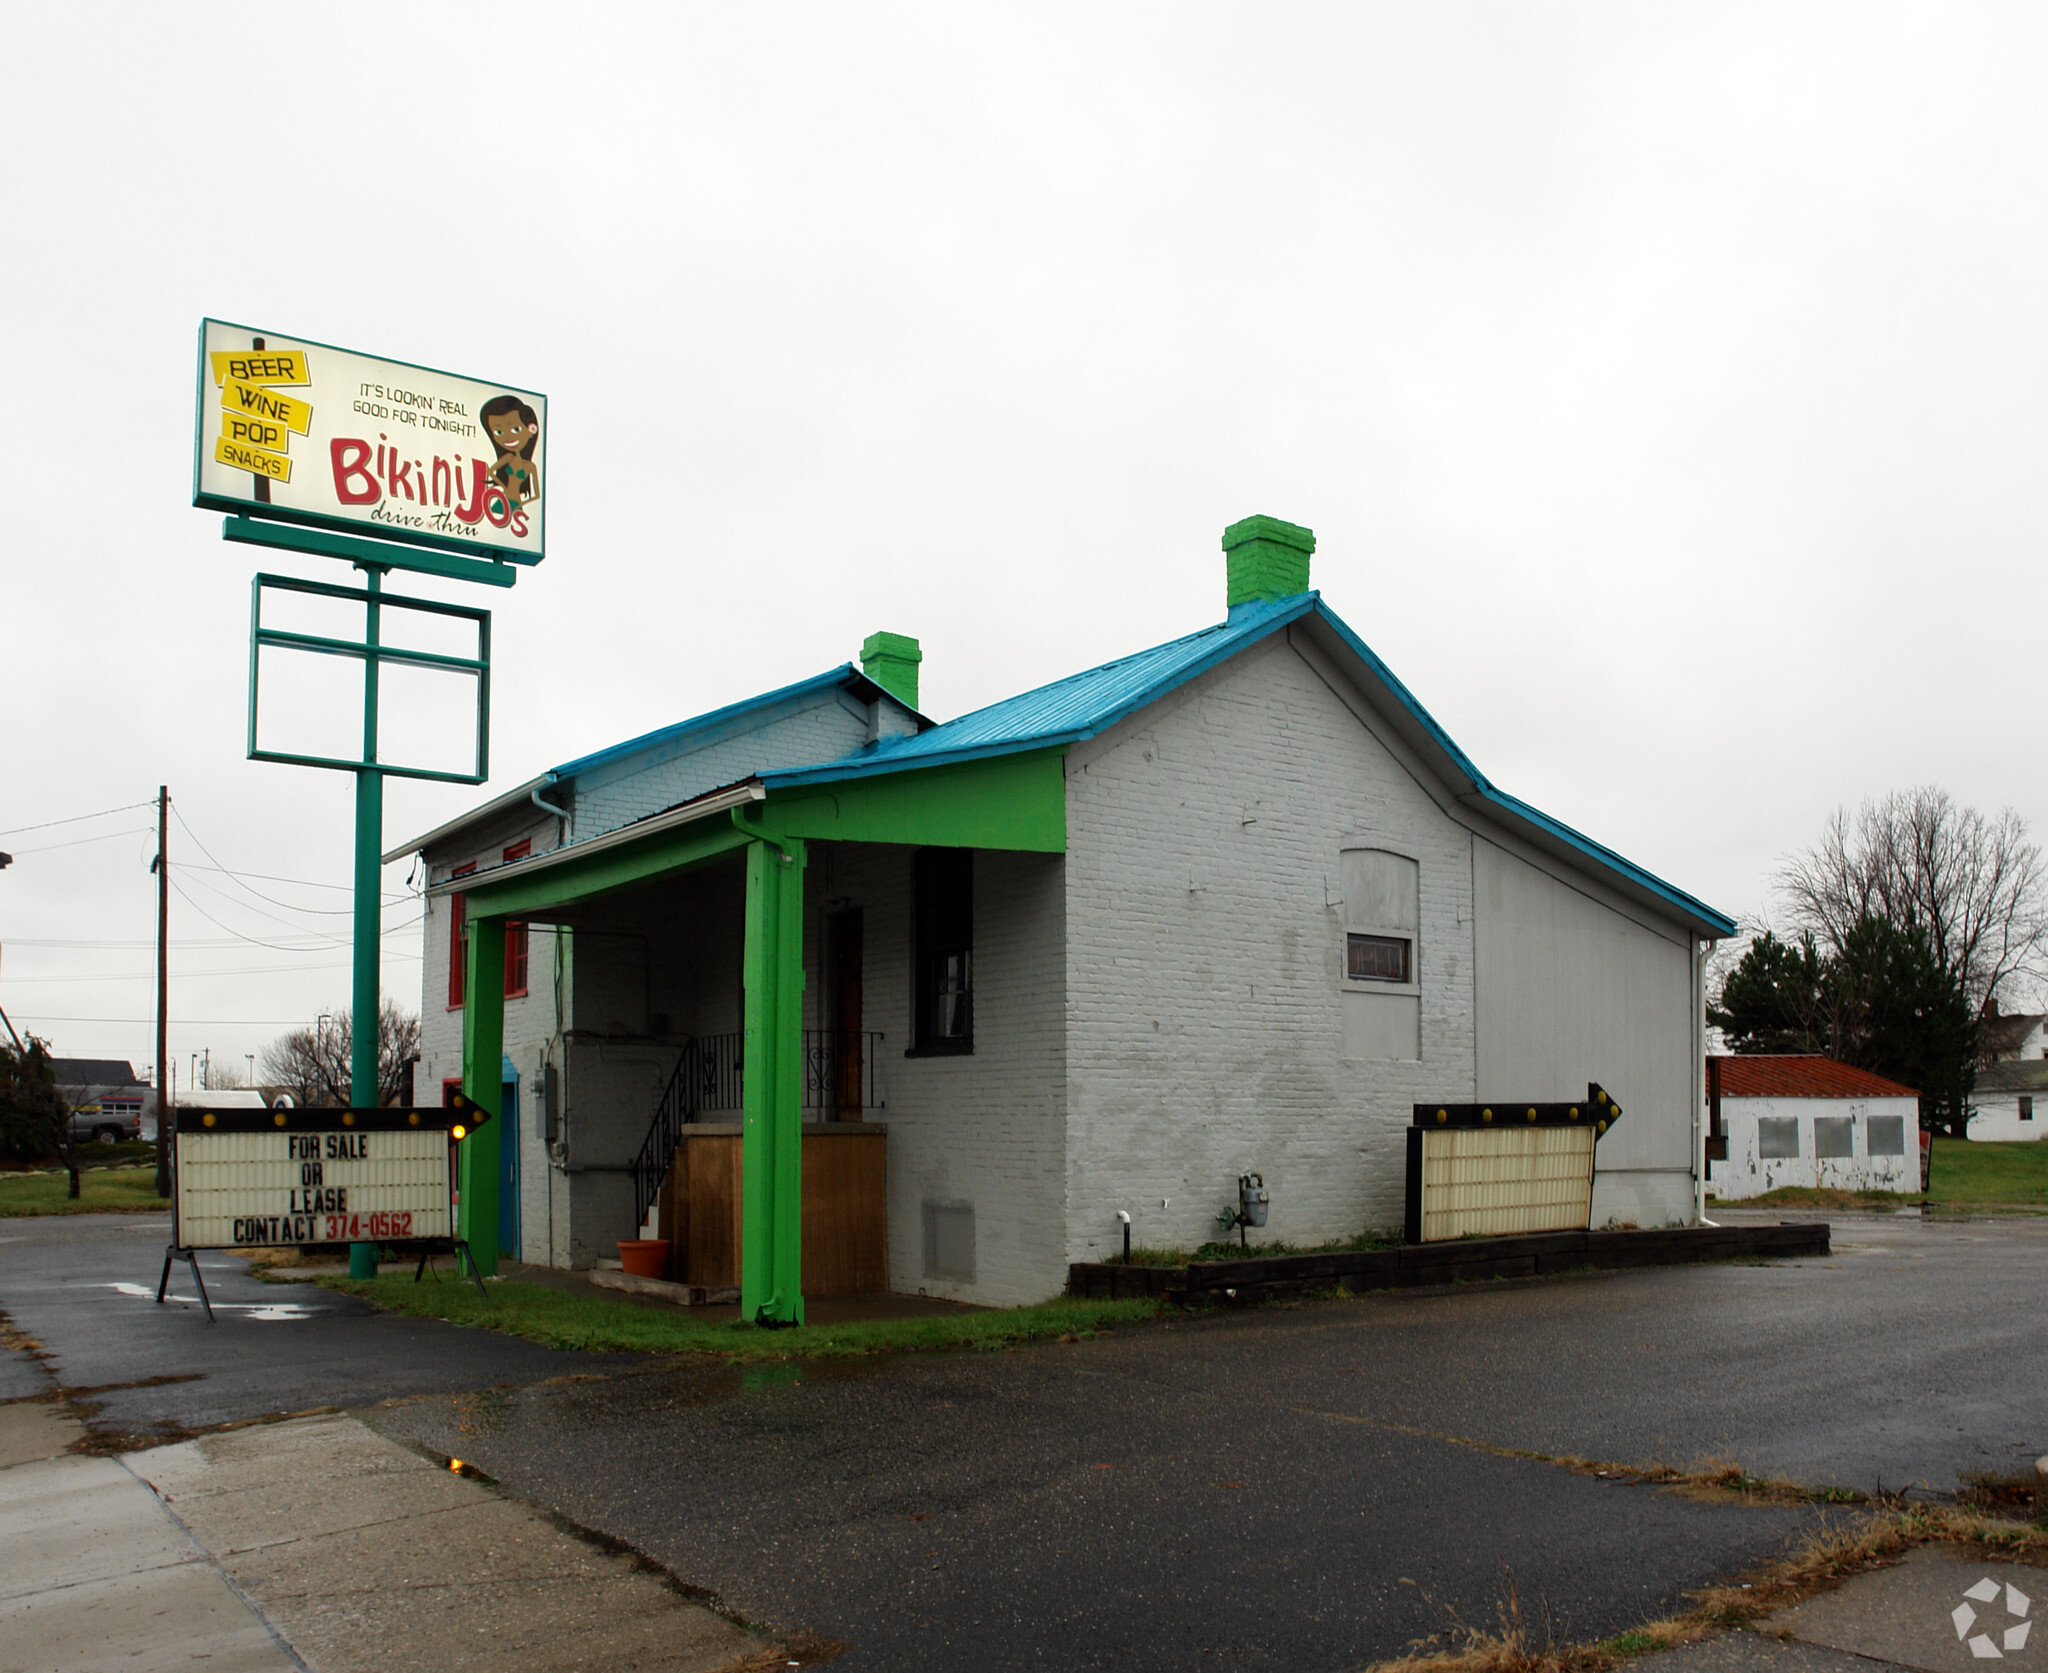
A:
193, 975
243, 905
77, 842
255, 941
196, 1022
316, 942
79, 818
305, 882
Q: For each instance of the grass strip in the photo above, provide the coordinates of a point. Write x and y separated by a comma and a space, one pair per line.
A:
1963, 1174
1523, 1641
601, 1325
100, 1191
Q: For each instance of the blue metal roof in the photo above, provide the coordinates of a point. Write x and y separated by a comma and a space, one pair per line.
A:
1088, 703
1067, 710
715, 721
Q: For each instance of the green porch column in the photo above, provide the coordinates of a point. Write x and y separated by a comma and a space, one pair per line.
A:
483, 1054
771, 1099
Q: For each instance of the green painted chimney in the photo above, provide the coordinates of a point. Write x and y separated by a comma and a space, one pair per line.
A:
890, 660
1267, 559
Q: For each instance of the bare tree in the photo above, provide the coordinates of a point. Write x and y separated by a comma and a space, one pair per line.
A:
312, 1064
1976, 886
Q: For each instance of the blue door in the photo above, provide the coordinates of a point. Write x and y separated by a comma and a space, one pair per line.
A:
508, 1162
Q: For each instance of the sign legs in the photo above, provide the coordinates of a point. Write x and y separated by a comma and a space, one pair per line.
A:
173, 1253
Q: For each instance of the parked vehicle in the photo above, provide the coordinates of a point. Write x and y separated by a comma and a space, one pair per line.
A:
114, 1116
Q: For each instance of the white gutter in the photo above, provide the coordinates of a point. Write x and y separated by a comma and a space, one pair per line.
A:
497, 804
704, 807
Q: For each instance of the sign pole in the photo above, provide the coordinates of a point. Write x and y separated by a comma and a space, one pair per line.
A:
364, 1018
166, 1102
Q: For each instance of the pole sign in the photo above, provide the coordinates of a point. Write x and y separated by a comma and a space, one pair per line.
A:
300, 432
256, 1179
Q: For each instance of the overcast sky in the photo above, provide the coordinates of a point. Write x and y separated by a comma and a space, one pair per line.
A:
1664, 384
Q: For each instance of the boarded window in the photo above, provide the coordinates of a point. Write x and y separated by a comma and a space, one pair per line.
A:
1834, 1136
1777, 1137
1887, 1135
1382, 921
949, 1241
1382, 900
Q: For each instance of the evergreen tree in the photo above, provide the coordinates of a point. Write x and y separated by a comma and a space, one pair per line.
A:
33, 1118
1776, 999
1884, 1002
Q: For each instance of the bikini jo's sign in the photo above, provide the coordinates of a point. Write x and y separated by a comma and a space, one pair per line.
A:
300, 432
251, 1179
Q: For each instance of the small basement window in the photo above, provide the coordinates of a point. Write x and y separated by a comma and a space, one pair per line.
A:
1777, 1137
1834, 1136
1378, 958
1887, 1135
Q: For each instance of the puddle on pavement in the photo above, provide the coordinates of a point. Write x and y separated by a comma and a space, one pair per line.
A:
261, 1312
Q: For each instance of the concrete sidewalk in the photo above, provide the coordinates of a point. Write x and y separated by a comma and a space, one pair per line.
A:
1936, 1610
313, 1544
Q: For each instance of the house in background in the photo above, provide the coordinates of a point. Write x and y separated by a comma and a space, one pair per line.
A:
105, 1098
2007, 1094
1808, 1120
2019, 1037
836, 995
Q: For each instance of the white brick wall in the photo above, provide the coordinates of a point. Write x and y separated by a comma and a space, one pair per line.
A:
825, 727
1205, 958
986, 1129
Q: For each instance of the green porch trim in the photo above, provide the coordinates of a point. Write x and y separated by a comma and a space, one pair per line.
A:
680, 848
771, 1096
483, 1057
1016, 802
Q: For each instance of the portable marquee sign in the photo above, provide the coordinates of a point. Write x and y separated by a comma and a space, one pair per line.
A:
266, 1179
1502, 1168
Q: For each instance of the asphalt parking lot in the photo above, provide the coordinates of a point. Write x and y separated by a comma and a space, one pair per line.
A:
1299, 1487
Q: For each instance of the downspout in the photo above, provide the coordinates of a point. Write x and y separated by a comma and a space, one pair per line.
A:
1702, 951
546, 806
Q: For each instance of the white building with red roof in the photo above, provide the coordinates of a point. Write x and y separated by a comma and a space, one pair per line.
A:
1809, 1120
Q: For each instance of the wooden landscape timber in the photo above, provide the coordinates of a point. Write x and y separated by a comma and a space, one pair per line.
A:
1258, 1277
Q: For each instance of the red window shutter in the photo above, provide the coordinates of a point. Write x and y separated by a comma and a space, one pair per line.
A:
515, 936
458, 963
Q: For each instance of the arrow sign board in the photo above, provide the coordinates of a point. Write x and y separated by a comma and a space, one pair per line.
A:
253, 1179
300, 432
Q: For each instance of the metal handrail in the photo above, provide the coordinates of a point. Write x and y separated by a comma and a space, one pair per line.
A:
710, 1077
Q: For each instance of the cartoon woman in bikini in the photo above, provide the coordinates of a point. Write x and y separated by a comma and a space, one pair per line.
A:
514, 429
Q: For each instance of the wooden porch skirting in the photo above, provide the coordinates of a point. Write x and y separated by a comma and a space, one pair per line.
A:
845, 1208
1467, 1259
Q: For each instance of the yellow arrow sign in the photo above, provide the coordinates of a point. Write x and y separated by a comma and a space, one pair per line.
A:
261, 365
250, 400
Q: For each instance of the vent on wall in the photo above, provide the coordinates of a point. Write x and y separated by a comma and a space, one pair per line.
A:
949, 1241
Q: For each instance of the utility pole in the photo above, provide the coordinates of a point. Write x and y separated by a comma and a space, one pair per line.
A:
162, 867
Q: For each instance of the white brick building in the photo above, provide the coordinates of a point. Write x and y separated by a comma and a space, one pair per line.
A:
1233, 903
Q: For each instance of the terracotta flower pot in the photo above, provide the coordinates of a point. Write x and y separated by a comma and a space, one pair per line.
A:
644, 1257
